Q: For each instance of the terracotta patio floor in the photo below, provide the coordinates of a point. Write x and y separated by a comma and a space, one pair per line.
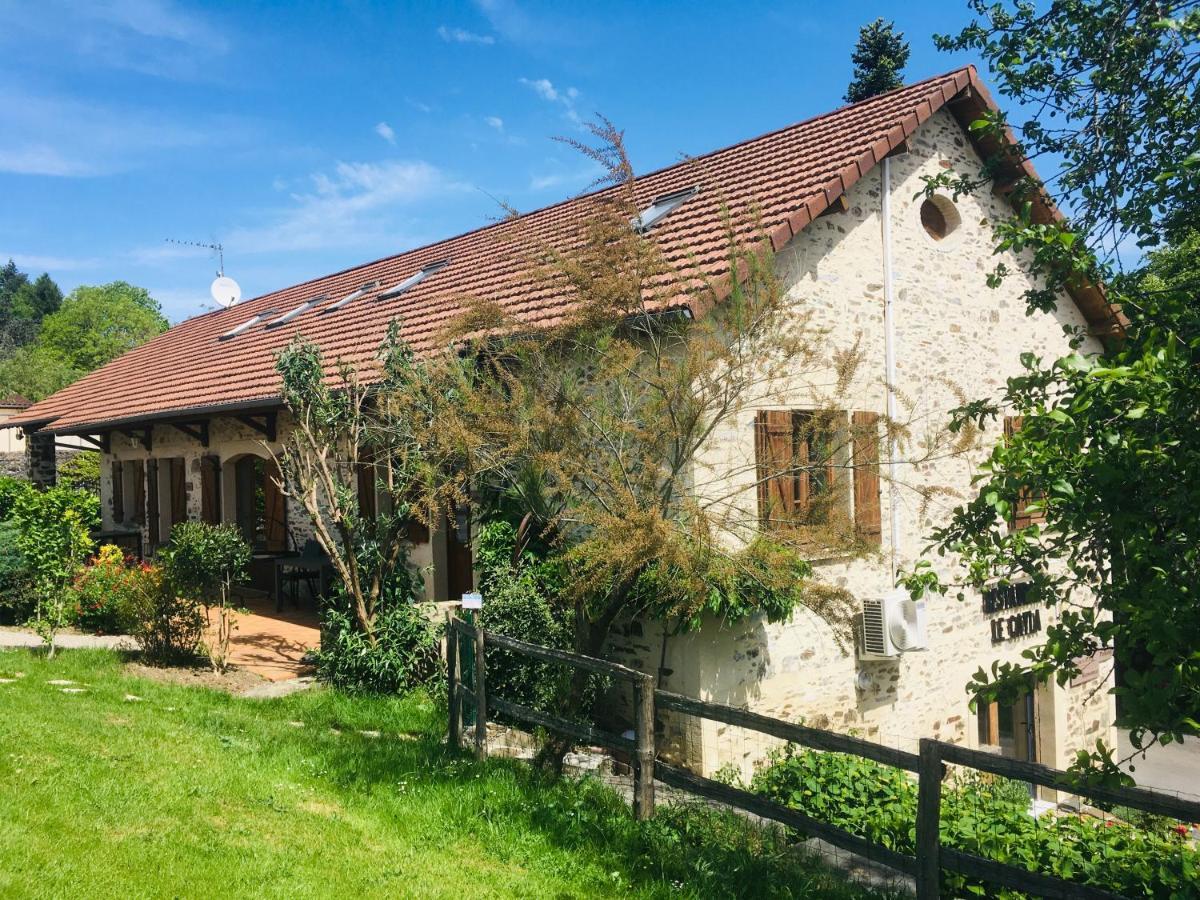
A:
270, 643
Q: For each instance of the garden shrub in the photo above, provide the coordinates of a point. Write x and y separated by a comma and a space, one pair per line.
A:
81, 472
10, 489
405, 653
204, 562
167, 626
985, 816
54, 536
16, 597
105, 592
519, 602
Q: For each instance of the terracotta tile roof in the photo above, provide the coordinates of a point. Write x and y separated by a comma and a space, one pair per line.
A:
15, 401
789, 176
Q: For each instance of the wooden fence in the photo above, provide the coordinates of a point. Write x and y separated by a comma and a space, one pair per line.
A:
929, 765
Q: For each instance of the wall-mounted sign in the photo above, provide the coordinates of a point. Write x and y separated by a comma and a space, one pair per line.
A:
472, 600
1021, 624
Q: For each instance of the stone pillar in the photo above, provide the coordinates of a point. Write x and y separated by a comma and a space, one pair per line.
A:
43, 469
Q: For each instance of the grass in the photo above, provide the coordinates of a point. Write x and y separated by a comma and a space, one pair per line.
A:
190, 792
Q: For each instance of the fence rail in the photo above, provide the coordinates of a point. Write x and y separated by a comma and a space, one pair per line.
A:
930, 858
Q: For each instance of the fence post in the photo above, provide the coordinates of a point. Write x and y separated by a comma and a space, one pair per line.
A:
643, 776
480, 696
452, 681
929, 806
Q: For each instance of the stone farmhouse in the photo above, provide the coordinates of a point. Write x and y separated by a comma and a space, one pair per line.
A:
186, 422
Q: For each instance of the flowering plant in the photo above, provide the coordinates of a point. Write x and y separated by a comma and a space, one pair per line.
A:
106, 591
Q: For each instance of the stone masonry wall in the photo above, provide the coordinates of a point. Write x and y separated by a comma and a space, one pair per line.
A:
955, 339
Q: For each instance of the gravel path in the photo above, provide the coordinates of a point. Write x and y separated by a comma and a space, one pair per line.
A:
23, 637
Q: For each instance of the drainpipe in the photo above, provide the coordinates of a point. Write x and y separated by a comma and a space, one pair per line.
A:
889, 356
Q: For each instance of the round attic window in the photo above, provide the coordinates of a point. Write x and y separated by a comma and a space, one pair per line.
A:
939, 217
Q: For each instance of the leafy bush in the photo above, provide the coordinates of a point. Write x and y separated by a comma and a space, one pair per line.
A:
105, 592
985, 816
81, 472
405, 652
168, 627
16, 598
204, 562
53, 535
519, 602
10, 489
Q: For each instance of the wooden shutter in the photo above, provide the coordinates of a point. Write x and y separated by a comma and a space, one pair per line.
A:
210, 490
152, 510
867, 513
118, 493
774, 452
1020, 517
274, 510
138, 473
366, 490
178, 492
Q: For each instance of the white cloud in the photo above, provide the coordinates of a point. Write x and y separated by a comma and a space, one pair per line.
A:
384, 130
495, 122
60, 136
355, 204
462, 36
36, 262
545, 89
418, 105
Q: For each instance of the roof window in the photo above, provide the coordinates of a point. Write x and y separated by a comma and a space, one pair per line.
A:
247, 325
352, 296
302, 308
663, 205
413, 280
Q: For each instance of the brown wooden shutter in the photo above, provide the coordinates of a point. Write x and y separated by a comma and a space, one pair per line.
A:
118, 493
152, 510
774, 452
366, 491
138, 473
867, 513
210, 490
274, 510
1020, 517
178, 491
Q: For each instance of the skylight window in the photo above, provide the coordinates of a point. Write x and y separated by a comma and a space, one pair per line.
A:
247, 325
662, 207
352, 296
413, 280
302, 308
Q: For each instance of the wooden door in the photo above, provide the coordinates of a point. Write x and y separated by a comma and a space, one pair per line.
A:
460, 575
152, 510
178, 491
274, 509
210, 490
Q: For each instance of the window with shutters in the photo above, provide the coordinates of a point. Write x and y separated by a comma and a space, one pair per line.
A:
210, 490
801, 457
117, 488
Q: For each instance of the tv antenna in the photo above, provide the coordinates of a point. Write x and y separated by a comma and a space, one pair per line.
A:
224, 290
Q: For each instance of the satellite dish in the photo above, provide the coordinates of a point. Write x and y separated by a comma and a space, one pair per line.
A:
226, 291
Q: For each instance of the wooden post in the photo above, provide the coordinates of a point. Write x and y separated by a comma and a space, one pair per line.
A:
454, 698
643, 776
929, 805
480, 696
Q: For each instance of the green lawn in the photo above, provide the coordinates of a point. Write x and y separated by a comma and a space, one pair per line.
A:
193, 793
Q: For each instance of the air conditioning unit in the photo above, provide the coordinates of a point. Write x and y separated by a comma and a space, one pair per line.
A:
892, 625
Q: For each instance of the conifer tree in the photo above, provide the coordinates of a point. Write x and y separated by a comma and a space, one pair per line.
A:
879, 58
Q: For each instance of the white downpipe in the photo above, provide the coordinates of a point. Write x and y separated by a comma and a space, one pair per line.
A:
889, 356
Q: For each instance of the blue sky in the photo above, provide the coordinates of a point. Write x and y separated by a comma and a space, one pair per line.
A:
308, 137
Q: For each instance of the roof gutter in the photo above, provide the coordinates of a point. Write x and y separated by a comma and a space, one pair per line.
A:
165, 417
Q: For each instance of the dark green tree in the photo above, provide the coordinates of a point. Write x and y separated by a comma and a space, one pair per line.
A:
879, 59
1108, 454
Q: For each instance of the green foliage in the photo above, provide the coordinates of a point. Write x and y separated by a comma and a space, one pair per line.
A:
93, 326
23, 305
168, 626
106, 593
10, 489
404, 653
204, 561
982, 815
81, 472
520, 601
879, 59
16, 597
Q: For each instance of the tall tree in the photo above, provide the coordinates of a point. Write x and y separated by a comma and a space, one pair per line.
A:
879, 59
1107, 458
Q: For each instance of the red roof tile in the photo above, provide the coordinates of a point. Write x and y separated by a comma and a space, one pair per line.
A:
788, 177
